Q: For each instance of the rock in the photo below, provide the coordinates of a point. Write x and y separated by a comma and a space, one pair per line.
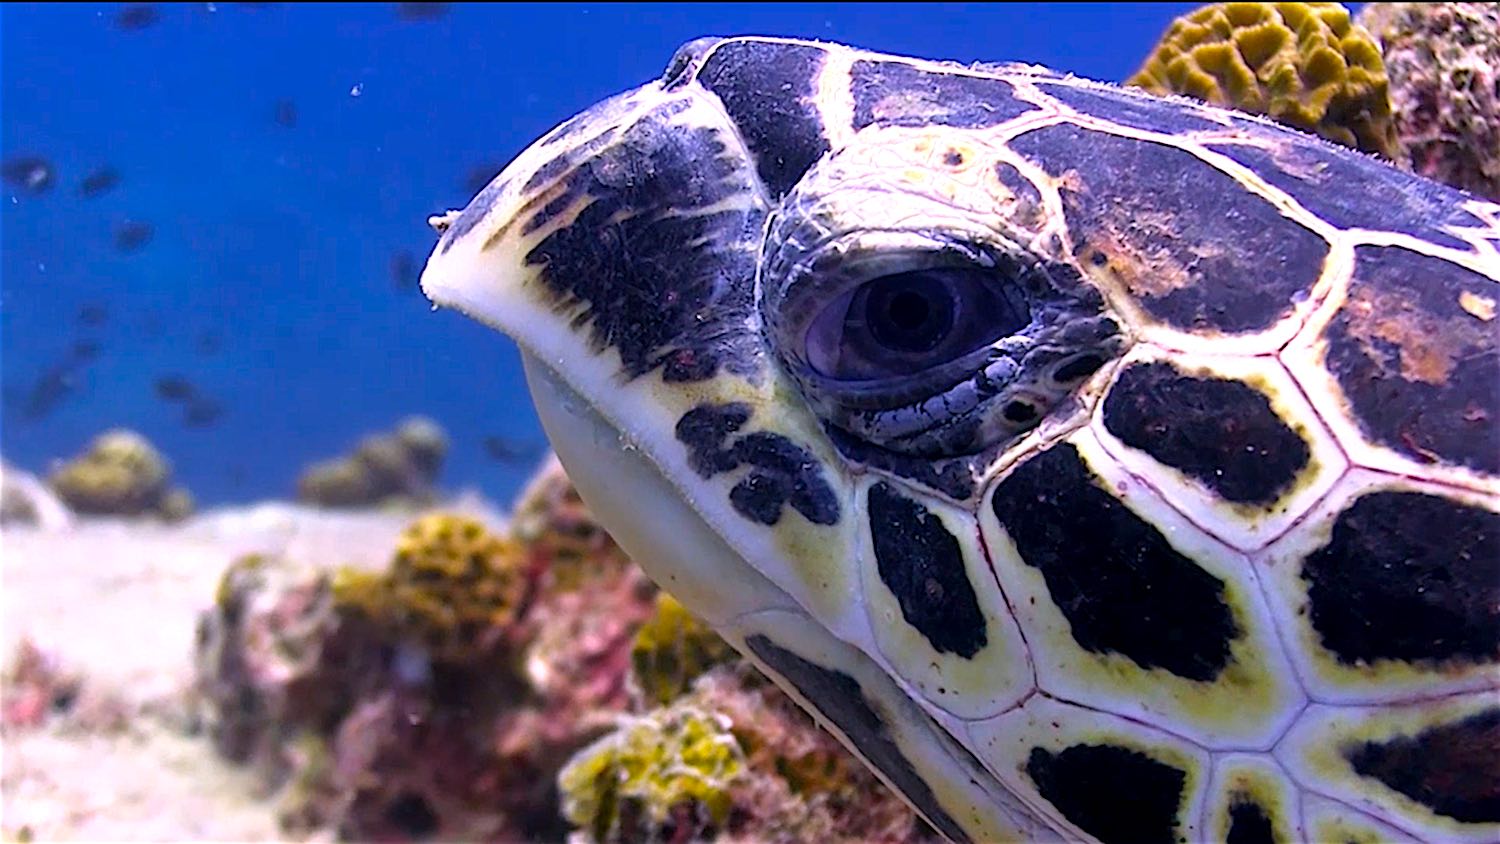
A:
25, 500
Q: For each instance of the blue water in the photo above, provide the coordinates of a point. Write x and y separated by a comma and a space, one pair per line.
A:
277, 241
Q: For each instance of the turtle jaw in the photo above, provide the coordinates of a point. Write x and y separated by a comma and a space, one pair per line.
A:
643, 511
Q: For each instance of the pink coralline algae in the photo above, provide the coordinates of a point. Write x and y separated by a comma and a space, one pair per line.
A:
1443, 61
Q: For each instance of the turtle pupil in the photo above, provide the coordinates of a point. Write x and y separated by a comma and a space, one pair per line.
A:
907, 312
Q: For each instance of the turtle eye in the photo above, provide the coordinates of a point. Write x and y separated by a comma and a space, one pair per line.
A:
908, 322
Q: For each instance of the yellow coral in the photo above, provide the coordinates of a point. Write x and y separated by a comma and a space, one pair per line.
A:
671, 650
1304, 64
451, 587
674, 763
120, 474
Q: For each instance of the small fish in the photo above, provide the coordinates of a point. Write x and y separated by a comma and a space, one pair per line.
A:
151, 326
137, 16
92, 314
285, 114
202, 412
404, 272
30, 173
101, 181
174, 388
208, 343
85, 351
49, 390
421, 11
509, 451
133, 235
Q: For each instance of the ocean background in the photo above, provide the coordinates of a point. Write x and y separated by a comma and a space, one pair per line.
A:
286, 158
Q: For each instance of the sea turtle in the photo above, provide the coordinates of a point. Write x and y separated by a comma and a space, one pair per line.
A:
1095, 465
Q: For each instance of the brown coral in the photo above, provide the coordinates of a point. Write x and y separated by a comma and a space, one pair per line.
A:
560, 532
1304, 64
395, 468
120, 474
1444, 65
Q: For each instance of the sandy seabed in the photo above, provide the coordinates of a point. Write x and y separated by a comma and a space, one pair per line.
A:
115, 602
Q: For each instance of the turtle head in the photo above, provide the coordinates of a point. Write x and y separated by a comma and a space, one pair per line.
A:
779, 265
775, 213
759, 297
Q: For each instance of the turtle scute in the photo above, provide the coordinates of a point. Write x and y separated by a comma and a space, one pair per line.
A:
1304, 64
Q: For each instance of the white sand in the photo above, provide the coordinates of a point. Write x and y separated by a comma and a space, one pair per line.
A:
117, 602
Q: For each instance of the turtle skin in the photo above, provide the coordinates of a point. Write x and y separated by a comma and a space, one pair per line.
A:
1096, 466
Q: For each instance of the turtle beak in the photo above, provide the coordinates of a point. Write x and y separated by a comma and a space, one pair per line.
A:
479, 266
619, 253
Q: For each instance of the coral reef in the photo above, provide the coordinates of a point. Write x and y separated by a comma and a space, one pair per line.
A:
25, 500
268, 661
450, 589
35, 686
1304, 64
655, 778
671, 650
385, 469
756, 768
121, 474
514, 685
39, 687
435, 698
1443, 60
560, 532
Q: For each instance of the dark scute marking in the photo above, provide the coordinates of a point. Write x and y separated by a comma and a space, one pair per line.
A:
1121, 586
952, 477
663, 283
922, 564
1452, 769
782, 472
1193, 246
1077, 368
1113, 793
1221, 432
1350, 190
1028, 212
1408, 576
549, 212
553, 169
1249, 823
898, 94
1019, 412
704, 429
839, 698
479, 206
1132, 109
770, 93
1421, 374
